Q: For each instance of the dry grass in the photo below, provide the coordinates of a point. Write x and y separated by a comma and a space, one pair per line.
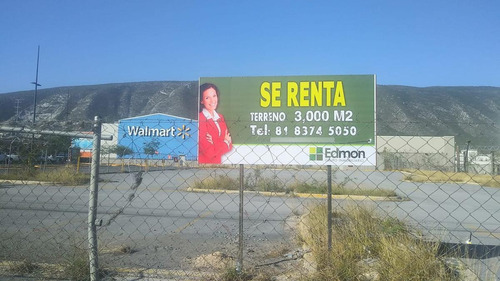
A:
403, 256
23, 268
338, 189
438, 176
77, 266
64, 175
223, 182
118, 250
219, 182
366, 245
277, 252
230, 274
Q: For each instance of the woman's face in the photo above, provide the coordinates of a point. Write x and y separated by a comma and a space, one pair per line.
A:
210, 99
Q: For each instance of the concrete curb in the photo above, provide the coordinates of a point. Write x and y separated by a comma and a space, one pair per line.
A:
25, 182
300, 195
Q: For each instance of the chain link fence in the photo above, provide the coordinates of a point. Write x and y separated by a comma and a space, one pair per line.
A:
429, 210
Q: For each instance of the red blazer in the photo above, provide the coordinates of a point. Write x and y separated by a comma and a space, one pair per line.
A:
207, 152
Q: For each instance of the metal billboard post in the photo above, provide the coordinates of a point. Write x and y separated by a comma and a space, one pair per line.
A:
329, 205
239, 263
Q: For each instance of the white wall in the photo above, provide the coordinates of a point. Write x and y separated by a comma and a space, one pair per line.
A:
416, 152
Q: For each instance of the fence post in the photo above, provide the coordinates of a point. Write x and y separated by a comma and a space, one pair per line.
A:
93, 188
329, 205
239, 263
493, 171
466, 158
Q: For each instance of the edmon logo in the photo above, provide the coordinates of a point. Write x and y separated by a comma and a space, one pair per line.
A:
316, 153
326, 153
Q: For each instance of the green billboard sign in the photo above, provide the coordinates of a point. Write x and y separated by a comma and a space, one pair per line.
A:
307, 120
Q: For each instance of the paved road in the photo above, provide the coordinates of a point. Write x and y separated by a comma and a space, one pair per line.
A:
168, 227
450, 211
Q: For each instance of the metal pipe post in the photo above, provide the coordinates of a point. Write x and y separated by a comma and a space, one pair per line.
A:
493, 171
94, 181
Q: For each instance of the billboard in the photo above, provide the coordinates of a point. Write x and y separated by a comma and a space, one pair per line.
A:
159, 136
296, 120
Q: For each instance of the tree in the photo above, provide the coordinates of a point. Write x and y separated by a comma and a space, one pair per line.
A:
120, 150
151, 147
57, 144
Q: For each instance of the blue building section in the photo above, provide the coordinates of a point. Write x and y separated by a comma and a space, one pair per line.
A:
159, 136
83, 144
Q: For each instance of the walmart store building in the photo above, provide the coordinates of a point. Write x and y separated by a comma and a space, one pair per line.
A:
159, 136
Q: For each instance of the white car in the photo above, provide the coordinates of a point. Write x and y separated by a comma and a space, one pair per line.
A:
13, 158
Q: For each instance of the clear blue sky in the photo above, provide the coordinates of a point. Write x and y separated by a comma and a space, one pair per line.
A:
415, 43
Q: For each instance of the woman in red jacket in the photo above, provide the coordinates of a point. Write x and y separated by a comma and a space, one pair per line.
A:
214, 138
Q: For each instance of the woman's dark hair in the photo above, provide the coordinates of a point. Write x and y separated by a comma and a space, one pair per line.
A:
204, 87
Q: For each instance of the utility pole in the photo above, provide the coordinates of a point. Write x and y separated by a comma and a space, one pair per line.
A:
36, 86
17, 108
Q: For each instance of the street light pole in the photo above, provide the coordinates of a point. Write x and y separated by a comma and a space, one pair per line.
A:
36, 86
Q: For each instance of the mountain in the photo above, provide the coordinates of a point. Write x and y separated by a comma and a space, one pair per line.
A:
469, 113
110, 101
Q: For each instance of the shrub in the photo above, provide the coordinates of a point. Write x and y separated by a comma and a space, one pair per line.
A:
219, 182
364, 243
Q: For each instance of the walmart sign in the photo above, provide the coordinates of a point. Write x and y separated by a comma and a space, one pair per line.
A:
159, 136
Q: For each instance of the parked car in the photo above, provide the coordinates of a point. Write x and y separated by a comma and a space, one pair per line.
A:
49, 159
61, 158
3, 157
12, 158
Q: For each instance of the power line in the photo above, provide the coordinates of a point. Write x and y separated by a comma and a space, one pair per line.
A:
36, 86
